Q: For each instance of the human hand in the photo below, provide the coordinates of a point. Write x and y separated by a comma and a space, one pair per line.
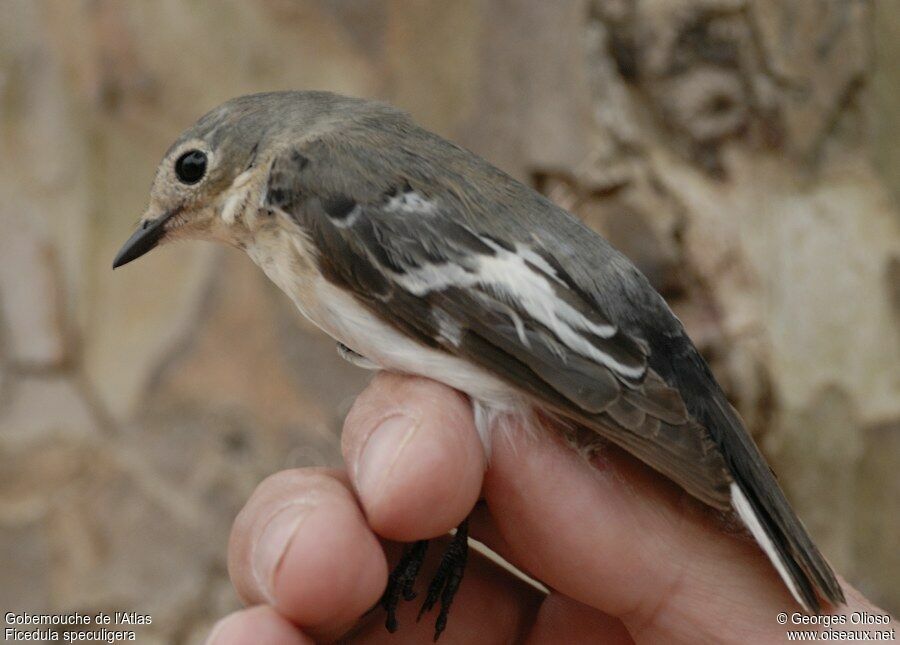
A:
627, 555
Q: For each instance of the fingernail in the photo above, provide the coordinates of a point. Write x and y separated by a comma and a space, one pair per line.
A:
273, 543
381, 450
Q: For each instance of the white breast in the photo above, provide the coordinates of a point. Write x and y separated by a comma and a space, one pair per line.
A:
286, 262
348, 321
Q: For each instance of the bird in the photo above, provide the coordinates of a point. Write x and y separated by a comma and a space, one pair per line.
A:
419, 257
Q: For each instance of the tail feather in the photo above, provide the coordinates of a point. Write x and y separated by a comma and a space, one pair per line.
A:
761, 505
753, 490
794, 578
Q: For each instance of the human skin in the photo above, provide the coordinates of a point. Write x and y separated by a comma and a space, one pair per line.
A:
627, 555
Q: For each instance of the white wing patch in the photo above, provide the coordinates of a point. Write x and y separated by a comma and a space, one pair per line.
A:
538, 261
448, 328
349, 220
509, 277
410, 202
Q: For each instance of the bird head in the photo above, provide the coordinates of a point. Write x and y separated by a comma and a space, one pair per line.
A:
194, 191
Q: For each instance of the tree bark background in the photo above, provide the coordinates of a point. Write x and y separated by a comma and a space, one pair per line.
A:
742, 153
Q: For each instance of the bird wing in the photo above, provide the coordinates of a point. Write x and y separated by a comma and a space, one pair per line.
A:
407, 247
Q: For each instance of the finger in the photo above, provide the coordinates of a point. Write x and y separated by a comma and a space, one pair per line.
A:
563, 620
618, 537
256, 626
414, 456
302, 545
559, 619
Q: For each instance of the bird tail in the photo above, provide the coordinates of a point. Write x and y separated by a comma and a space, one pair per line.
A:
762, 506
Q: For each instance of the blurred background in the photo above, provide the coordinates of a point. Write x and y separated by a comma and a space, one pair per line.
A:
743, 153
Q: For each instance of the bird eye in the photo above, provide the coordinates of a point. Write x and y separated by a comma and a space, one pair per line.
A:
191, 166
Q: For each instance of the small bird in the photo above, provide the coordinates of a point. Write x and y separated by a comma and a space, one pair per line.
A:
421, 258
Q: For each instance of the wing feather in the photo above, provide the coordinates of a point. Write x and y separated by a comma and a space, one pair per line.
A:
415, 261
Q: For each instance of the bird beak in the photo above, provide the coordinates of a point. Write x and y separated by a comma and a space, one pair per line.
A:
144, 240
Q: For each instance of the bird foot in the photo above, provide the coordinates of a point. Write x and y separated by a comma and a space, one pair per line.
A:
355, 358
443, 586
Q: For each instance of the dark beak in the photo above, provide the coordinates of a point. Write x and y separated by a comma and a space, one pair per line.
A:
143, 241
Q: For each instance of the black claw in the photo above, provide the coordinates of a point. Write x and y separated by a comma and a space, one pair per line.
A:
417, 556
453, 582
446, 581
443, 586
390, 622
400, 582
436, 585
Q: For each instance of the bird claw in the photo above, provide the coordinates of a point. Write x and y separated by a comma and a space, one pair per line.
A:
443, 586
355, 358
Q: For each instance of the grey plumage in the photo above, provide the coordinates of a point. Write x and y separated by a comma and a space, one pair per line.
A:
703, 447
417, 228
367, 257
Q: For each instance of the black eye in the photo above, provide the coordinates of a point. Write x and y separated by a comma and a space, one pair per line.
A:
191, 166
